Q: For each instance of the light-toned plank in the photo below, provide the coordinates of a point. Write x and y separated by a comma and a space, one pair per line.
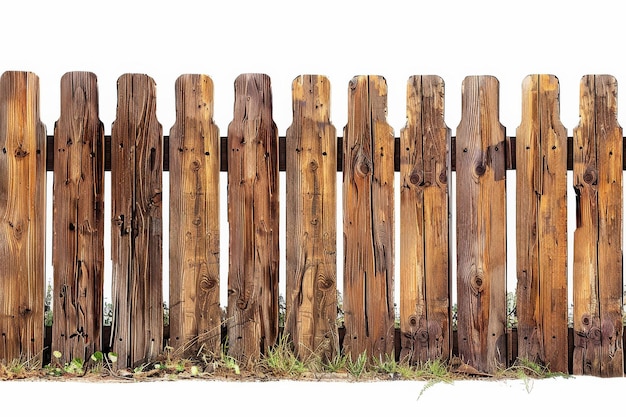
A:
598, 274
541, 166
424, 224
368, 169
194, 167
78, 220
311, 165
481, 226
22, 217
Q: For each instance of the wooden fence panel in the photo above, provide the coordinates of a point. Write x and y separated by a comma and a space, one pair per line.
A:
78, 220
137, 241
481, 226
22, 217
368, 186
253, 216
598, 274
424, 224
194, 167
311, 169
541, 169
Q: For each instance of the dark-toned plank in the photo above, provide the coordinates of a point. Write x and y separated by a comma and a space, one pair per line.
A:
481, 227
368, 221
424, 224
136, 232
542, 225
78, 220
195, 313
253, 218
311, 288
598, 274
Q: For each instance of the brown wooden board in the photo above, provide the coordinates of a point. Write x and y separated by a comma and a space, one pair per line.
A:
481, 226
78, 220
194, 290
136, 232
311, 287
253, 216
22, 217
368, 186
598, 274
542, 225
424, 224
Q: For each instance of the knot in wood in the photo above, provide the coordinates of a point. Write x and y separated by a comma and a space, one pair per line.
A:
207, 283
422, 336
313, 165
363, 168
195, 166
477, 283
480, 170
324, 283
197, 221
590, 176
586, 320
595, 334
415, 178
443, 177
413, 321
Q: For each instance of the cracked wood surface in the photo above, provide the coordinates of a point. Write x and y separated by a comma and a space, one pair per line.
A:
78, 220
368, 221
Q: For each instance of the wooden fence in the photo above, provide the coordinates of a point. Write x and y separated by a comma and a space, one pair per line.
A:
369, 154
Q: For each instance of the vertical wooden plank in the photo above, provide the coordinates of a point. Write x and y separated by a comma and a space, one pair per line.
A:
22, 217
481, 226
541, 166
253, 217
368, 221
137, 241
311, 170
195, 315
598, 275
78, 218
424, 224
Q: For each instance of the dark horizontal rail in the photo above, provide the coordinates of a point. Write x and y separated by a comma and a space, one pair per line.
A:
510, 154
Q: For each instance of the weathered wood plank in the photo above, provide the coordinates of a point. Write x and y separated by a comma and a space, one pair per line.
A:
311, 166
598, 274
78, 220
253, 216
424, 224
194, 290
22, 217
137, 241
368, 187
481, 226
542, 225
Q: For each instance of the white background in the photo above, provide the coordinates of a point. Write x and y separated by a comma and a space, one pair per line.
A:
339, 38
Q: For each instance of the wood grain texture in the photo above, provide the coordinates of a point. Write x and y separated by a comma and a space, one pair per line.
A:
22, 218
194, 290
136, 232
253, 216
598, 274
425, 302
311, 165
78, 220
542, 225
368, 186
481, 226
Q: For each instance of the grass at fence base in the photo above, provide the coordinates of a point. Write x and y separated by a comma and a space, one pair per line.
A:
279, 363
